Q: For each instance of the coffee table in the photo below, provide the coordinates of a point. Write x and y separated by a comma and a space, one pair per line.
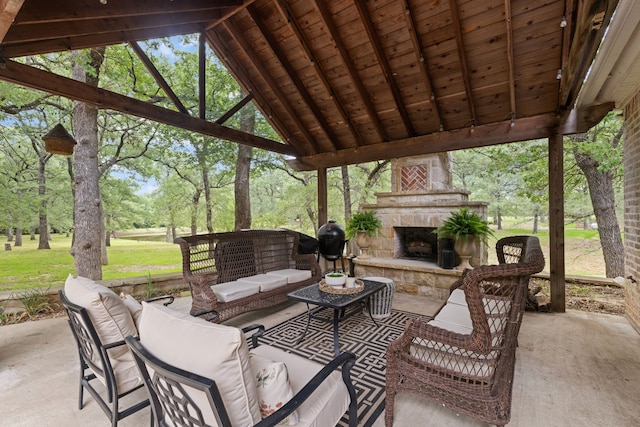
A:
341, 304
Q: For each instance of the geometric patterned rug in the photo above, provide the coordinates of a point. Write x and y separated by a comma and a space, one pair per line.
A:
359, 335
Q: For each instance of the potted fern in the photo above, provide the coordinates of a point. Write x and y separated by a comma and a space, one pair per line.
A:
466, 228
363, 225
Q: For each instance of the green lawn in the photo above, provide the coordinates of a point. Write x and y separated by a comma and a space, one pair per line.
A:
26, 267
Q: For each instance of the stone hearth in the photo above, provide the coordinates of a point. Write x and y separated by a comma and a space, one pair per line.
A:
422, 196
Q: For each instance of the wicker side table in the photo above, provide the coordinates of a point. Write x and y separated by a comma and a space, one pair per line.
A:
381, 301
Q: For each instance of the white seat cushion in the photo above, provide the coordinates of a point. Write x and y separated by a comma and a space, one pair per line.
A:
231, 291
293, 275
265, 282
214, 351
327, 404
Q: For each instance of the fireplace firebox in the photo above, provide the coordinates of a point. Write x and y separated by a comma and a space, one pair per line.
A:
416, 243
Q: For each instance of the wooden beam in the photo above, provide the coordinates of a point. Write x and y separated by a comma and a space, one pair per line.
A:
556, 224
285, 9
59, 30
94, 40
31, 77
384, 64
527, 128
293, 76
591, 23
353, 73
462, 57
266, 76
158, 77
226, 116
8, 11
323, 209
202, 77
68, 11
424, 65
582, 119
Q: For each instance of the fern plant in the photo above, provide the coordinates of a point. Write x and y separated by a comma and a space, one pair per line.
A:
463, 224
363, 221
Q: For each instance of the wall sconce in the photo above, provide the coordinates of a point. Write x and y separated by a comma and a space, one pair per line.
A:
563, 22
58, 141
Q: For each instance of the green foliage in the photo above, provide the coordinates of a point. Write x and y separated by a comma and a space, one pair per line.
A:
36, 301
464, 223
363, 221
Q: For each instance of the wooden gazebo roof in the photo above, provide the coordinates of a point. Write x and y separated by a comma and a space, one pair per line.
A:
347, 81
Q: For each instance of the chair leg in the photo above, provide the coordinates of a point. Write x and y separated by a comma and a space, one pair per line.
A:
80, 392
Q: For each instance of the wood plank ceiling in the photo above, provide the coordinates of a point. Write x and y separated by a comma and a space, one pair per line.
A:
348, 81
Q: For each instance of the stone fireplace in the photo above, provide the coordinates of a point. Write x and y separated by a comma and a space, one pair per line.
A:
406, 249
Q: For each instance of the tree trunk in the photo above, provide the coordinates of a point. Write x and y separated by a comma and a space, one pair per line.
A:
43, 226
243, 172
346, 196
535, 223
167, 235
603, 201
204, 167
9, 234
86, 249
18, 242
195, 202
499, 222
107, 233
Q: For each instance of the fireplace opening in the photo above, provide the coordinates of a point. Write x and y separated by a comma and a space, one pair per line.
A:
416, 243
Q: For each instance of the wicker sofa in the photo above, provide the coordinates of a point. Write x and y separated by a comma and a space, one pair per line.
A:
464, 357
235, 272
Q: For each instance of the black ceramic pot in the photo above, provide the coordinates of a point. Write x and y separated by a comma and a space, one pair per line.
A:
331, 240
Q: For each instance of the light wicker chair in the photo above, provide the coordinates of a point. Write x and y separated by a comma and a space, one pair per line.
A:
464, 358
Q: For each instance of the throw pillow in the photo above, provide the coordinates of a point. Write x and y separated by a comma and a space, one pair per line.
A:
133, 305
273, 386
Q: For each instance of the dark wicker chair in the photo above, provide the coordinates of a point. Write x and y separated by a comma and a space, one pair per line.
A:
96, 365
216, 258
178, 395
468, 365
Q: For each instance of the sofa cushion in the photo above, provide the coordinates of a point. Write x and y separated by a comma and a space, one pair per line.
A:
264, 281
214, 351
231, 291
273, 386
327, 404
112, 322
293, 275
109, 315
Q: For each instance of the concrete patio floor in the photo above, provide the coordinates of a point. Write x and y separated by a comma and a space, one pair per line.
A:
573, 369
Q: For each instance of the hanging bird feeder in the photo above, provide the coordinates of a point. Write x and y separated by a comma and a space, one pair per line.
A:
58, 141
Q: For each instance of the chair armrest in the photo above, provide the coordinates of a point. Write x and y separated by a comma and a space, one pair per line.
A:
346, 361
169, 298
256, 335
213, 314
114, 344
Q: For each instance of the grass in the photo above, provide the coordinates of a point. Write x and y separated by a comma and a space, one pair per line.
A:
26, 267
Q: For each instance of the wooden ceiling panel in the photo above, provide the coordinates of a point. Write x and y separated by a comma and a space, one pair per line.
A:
336, 76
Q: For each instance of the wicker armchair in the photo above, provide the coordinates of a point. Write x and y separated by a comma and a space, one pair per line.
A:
223, 270
464, 358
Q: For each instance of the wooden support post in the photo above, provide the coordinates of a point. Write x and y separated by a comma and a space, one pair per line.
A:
323, 209
556, 224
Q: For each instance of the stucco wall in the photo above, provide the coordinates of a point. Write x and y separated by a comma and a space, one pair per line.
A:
632, 209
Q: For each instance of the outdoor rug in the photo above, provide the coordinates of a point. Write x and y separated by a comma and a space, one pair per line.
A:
359, 335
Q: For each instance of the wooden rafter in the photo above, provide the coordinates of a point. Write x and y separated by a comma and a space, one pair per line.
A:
384, 64
424, 65
273, 86
158, 77
226, 116
462, 56
285, 9
512, 72
31, 77
353, 73
302, 90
